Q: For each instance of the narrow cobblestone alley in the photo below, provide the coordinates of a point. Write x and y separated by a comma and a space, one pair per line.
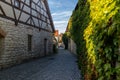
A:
61, 66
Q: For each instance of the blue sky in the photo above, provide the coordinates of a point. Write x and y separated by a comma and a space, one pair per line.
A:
61, 11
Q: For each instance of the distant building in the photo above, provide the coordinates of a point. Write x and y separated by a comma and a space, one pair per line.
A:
26, 30
56, 34
60, 37
60, 41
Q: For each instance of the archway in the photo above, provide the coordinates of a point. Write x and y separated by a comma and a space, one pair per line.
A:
2, 36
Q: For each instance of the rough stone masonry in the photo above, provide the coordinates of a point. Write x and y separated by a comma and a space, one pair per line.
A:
26, 31
14, 46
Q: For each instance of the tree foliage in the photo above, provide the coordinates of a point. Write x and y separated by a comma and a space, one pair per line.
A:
95, 28
65, 40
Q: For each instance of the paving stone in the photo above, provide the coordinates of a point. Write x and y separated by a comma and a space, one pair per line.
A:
61, 66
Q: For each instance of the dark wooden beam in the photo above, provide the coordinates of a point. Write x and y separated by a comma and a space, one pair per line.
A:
2, 10
49, 14
27, 13
9, 18
21, 12
37, 16
14, 12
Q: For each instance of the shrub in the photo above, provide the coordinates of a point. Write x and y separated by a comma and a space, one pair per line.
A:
55, 50
65, 40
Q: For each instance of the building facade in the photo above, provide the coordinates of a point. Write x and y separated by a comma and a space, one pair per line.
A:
26, 30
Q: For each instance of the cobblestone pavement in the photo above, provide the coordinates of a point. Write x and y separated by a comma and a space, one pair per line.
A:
61, 66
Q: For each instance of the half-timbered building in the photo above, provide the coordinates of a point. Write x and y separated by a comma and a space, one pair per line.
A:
26, 30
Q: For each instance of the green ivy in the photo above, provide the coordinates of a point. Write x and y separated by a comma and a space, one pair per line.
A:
95, 28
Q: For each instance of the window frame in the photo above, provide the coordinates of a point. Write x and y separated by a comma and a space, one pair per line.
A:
29, 42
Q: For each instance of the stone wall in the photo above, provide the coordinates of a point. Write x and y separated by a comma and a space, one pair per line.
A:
16, 43
72, 46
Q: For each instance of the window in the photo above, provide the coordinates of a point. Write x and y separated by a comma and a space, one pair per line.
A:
29, 42
17, 3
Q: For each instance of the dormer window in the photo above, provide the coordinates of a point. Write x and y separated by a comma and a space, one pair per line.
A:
17, 3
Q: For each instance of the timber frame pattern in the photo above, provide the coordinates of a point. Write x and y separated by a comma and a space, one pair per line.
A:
37, 14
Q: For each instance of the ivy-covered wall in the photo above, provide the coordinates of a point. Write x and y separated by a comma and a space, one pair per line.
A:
95, 28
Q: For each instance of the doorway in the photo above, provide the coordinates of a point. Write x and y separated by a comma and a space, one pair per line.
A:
45, 47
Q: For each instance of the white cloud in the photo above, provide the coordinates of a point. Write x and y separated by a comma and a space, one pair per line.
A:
61, 20
60, 16
61, 12
54, 3
61, 30
61, 25
64, 13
